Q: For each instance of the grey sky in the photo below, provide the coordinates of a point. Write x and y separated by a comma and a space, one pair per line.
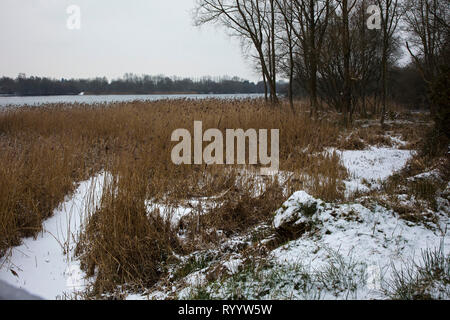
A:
116, 36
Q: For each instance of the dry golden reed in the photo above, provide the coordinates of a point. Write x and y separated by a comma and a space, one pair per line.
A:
46, 150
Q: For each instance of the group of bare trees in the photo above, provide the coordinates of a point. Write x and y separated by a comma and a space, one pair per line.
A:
254, 22
329, 47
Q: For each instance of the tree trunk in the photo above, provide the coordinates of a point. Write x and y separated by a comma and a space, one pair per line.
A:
383, 87
313, 59
266, 98
291, 80
273, 56
363, 60
346, 52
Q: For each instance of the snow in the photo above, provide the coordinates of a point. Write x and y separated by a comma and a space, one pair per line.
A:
233, 265
167, 212
291, 210
364, 244
433, 174
374, 163
397, 142
371, 166
196, 279
45, 266
374, 239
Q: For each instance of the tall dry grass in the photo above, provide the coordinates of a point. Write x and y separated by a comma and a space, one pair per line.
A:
45, 150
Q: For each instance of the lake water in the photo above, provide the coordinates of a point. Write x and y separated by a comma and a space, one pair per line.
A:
95, 99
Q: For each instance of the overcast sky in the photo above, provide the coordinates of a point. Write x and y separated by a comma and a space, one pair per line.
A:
116, 36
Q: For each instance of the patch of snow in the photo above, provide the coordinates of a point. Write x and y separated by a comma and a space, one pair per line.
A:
45, 266
289, 211
355, 185
433, 174
196, 279
373, 238
168, 212
397, 141
368, 167
174, 213
233, 265
374, 164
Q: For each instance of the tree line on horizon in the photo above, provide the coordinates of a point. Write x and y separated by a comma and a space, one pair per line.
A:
130, 84
410, 89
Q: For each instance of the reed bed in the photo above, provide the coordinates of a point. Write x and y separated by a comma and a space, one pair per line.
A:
46, 150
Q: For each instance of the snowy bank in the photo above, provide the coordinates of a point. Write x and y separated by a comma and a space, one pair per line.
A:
370, 240
368, 167
45, 266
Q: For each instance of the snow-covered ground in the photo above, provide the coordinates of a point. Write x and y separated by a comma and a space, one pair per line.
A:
174, 213
348, 251
367, 168
373, 239
45, 266
345, 252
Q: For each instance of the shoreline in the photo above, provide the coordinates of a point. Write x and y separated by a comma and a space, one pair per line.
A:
126, 94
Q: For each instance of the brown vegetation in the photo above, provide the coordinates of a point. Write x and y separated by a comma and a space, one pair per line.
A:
46, 150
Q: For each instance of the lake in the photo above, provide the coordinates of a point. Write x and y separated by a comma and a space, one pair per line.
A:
94, 99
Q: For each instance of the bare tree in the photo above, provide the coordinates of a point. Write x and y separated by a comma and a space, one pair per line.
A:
429, 46
366, 57
308, 21
347, 77
253, 20
331, 75
427, 24
390, 16
346, 7
287, 44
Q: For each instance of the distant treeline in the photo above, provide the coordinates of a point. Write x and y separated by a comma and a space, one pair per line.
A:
129, 84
